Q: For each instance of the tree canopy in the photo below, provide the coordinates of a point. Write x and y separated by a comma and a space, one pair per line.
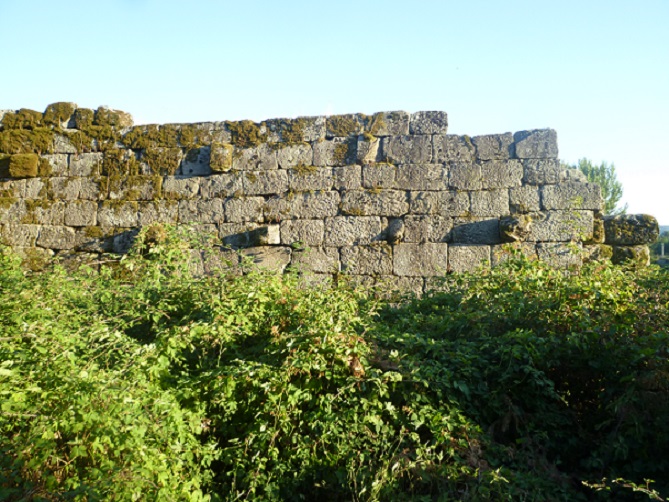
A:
605, 176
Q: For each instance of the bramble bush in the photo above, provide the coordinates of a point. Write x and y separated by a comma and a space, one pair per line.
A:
146, 381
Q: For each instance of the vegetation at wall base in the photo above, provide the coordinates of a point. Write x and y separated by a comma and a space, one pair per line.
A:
143, 381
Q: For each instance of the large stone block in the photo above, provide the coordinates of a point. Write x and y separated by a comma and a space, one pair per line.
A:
81, 213
257, 158
504, 252
541, 172
158, 211
353, 230
450, 203
317, 260
348, 177
56, 237
494, 146
389, 124
407, 149
272, 259
240, 235
134, 187
340, 126
630, 229
524, 199
427, 228
244, 209
178, 188
301, 129
214, 261
379, 175
304, 178
335, 152
118, 214
303, 205
85, 164
58, 164
302, 232
422, 177
638, 255
371, 259
220, 157
23, 165
221, 185
197, 162
12, 210
17, 235
429, 123
45, 212
501, 174
490, 203
265, 182
476, 231
374, 203
452, 148
89, 189
536, 144
463, 176
561, 226
201, 211
462, 258
572, 195
369, 150
28, 188
167, 160
427, 259
298, 154
560, 254
65, 188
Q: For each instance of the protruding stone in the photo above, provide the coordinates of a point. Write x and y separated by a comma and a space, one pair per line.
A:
395, 231
429, 123
23, 165
368, 150
638, 255
221, 155
630, 229
536, 144
515, 228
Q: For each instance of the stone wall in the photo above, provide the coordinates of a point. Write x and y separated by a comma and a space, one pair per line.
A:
389, 196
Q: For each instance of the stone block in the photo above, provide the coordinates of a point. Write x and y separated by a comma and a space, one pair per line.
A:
303, 205
23, 165
490, 203
494, 146
89, 189
427, 259
501, 174
598, 234
221, 185
265, 182
347, 177
462, 258
272, 259
56, 237
240, 235
422, 177
58, 164
395, 289
541, 172
118, 214
368, 259
304, 178
369, 150
86, 164
463, 176
428, 123
515, 228
536, 144
257, 158
638, 255
158, 211
34, 258
302, 232
353, 230
630, 229
27, 188
196, 162
201, 211
374, 203
12, 210
407, 149
476, 231
573, 174
44, 212
65, 188
341, 126
244, 209
17, 235
335, 152
389, 124
301, 129
140, 187
164, 161
597, 252
178, 188
298, 154
524, 199
81, 213
561, 226
214, 261
63, 144
450, 203
220, 157
379, 175
318, 260
452, 148
504, 252
560, 254
572, 195
424, 228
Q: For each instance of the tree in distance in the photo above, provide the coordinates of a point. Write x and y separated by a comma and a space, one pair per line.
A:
605, 176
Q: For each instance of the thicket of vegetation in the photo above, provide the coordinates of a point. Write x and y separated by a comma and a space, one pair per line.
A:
145, 382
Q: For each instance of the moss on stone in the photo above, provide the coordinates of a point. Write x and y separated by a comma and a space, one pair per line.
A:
342, 125
40, 140
23, 119
23, 165
221, 157
152, 136
58, 113
7, 202
4, 165
162, 160
374, 125
112, 118
44, 168
304, 170
117, 162
246, 134
94, 232
344, 152
83, 118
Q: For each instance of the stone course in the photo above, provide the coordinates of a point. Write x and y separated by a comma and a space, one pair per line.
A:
389, 198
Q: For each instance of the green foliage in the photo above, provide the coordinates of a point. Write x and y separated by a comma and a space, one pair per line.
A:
605, 176
656, 247
144, 381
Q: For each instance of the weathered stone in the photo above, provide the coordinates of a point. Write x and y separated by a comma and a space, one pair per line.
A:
389, 124
105, 116
58, 164
244, 209
490, 203
598, 234
573, 175
304, 178
450, 203
34, 259
367, 260
85, 164
536, 144
407, 149
298, 154
265, 182
630, 229
561, 226
422, 177
335, 152
165, 161
541, 172
201, 211
257, 158
504, 252
465, 176
12, 210
318, 260
196, 162
240, 235
379, 175
494, 146
501, 174
395, 231
374, 203
221, 185
524, 199
89, 189
347, 177
63, 144
122, 241
353, 230
220, 157
638, 255
468, 258
427, 259
81, 213
369, 150
560, 255
56, 237
304, 205
28, 188
17, 235
214, 261
339, 126
118, 214
429, 123
431, 228
572, 195
158, 211
272, 259
452, 148
302, 232
44, 212
178, 188
140, 187
597, 252
476, 231
515, 228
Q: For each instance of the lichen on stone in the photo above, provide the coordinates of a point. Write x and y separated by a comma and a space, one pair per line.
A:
57, 114
23, 165
246, 134
39, 140
22, 119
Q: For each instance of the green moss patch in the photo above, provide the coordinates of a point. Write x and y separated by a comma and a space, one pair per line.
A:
23, 165
23, 119
161, 160
40, 140
58, 113
221, 157
246, 134
343, 125
113, 118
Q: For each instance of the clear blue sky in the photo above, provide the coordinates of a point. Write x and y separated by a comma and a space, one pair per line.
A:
596, 71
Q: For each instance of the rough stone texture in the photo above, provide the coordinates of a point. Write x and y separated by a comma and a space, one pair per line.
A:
515, 228
196, 162
496, 174
273, 258
178, 188
422, 177
572, 195
476, 231
490, 203
58, 164
259, 158
427, 228
367, 260
372, 203
56, 237
368, 150
312, 178
380, 175
494, 146
220, 157
353, 231
221, 185
85, 164
81, 213
504, 252
407, 149
201, 211
420, 260
638, 255
347, 177
159, 211
467, 258
630, 229
541, 172
335, 152
118, 214
391, 124
448, 203
536, 144
465, 176
16, 235
244, 209
301, 154
524, 199
452, 148
305, 205
573, 175
428, 123
318, 260
560, 255
302, 232
265, 182
561, 226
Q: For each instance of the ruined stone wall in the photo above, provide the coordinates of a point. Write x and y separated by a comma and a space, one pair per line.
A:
387, 197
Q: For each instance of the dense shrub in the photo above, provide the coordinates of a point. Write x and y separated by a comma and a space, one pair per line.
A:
146, 381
